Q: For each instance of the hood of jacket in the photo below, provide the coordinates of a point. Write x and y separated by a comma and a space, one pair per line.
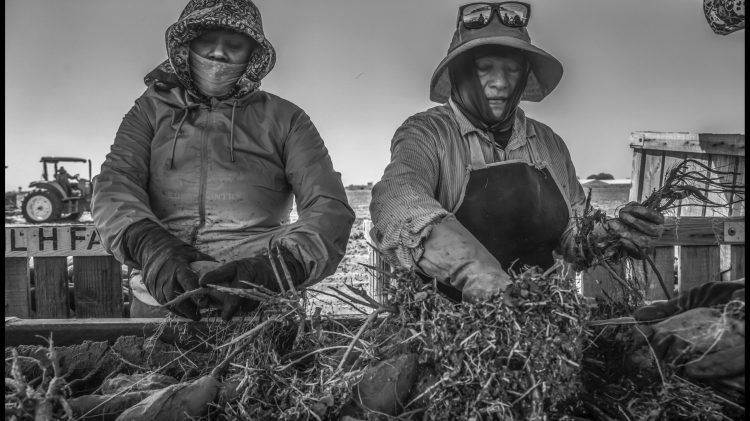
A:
198, 16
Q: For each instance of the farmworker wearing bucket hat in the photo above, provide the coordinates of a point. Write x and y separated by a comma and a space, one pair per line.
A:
475, 186
204, 168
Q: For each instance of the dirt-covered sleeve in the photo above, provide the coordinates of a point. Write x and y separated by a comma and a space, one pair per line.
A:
404, 207
319, 237
120, 196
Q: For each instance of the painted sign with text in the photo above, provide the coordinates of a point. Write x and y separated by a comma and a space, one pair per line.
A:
73, 240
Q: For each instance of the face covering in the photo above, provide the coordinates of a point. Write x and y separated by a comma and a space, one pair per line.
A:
468, 95
214, 78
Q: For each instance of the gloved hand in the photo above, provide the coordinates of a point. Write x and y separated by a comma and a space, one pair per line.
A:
710, 345
165, 262
706, 295
636, 229
453, 255
256, 270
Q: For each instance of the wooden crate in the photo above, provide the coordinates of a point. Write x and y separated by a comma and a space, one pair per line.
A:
701, 243
378, 279
97, 288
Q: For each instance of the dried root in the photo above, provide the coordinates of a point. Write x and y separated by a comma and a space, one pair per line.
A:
47, 401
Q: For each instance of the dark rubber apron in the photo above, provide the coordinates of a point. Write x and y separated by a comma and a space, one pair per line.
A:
515, 208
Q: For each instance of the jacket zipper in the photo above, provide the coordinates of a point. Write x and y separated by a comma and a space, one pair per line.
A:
203, 177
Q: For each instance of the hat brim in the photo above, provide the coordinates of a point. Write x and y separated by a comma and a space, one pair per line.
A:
546, 70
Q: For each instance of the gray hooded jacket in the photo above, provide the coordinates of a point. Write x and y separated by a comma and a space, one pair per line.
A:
220, 174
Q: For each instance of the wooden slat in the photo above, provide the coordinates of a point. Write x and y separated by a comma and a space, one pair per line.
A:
50, 276
381, 280
692, 206
72, 331
55, 240
652, 172
694, 231
378, 281
737, 253
606, 286
723, 163
664, 259
738, 209
702, 143
636, 186
98, 287
671, 160
698, 265
17, 296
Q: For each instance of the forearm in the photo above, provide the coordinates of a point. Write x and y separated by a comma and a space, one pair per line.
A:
319, 237
120, 196
402, 221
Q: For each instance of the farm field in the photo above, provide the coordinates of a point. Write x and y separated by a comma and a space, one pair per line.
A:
357, 251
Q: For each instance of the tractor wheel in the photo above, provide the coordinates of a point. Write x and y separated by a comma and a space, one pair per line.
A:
41, 206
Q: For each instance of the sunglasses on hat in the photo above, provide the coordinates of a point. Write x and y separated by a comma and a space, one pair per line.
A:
478, 15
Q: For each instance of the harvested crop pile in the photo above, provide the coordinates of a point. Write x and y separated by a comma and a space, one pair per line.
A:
528, 354
515, 357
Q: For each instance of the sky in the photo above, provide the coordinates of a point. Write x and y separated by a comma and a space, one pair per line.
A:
359, 68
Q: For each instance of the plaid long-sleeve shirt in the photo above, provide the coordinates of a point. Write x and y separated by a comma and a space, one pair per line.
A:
428, 169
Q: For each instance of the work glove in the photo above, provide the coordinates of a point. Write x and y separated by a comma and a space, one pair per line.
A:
635, 230
707, 295
707, 343
165, 262
256, 270
453, 255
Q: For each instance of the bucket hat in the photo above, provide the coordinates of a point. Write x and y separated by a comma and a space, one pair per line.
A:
546, 70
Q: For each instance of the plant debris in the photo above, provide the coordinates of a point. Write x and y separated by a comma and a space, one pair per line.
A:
529, 354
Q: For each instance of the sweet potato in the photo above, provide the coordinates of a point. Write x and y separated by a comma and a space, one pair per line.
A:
104, 407
726, 363
177, 402
386, 386
703, 328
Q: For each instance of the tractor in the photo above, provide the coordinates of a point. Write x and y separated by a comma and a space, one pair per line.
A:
55, 198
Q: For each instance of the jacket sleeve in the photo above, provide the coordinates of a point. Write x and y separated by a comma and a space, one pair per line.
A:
120, 195
319, 237
403, 207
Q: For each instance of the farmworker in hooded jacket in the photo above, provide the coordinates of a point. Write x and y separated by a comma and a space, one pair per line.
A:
204, 168
474, 185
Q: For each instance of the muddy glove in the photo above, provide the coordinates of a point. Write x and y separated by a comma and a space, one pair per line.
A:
706, 295
635, 230
165, 262
256, 270
453, 255
707, 343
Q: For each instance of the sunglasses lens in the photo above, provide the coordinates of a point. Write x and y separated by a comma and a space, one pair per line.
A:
476, 15
514, 14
